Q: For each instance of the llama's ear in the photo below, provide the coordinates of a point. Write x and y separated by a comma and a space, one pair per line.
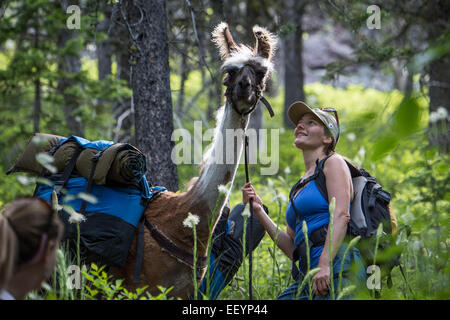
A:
221, 36
265, 42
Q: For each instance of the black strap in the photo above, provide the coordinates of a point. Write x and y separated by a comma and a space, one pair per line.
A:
315, 239
91, 178
250, 254
167, 244
139, 252
140, 237
303, 182
67, 172
373, 196
42, 174
268, 106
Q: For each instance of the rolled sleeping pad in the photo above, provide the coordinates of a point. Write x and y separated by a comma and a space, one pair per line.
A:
27, 160
119, 163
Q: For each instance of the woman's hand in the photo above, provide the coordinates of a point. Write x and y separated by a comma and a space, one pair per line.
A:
321, 281
248, 192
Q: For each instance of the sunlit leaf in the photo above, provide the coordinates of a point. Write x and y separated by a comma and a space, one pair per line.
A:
407, 117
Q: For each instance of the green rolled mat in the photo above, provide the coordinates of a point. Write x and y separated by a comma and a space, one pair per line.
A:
121, 163
27, 160
63, 155
128, 166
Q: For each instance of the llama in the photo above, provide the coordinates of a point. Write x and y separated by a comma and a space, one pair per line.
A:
246, 71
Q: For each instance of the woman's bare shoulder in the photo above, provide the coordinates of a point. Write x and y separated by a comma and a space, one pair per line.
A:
335, 161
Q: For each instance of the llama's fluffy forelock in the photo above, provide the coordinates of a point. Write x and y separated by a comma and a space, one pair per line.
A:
245, 55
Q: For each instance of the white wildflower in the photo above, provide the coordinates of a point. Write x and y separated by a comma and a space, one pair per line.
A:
442, 112
191, 220
362, 153
74, 217
280, 197
434, 117
246, 212
270, 183
222, 189
351, 136
287, 170
417, 245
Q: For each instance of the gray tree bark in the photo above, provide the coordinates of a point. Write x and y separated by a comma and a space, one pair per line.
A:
69, 65
439, 91
37, 81
293, 62
151, 92
439, 72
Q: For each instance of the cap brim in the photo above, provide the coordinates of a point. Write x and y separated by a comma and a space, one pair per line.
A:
297, 110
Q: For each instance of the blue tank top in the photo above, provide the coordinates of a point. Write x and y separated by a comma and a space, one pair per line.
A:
312, 207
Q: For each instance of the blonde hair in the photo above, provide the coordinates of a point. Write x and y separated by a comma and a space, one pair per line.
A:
23, 223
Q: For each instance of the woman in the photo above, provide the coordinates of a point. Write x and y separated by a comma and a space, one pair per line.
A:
316, 134
29, 238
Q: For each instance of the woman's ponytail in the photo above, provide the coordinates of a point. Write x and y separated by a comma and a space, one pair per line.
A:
9, 250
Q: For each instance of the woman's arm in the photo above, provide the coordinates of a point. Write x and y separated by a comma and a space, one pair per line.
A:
339, 186
285, 240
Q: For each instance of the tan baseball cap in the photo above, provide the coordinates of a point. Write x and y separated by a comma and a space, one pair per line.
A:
328, 119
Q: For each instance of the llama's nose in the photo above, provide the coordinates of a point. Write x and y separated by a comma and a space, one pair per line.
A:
244, 83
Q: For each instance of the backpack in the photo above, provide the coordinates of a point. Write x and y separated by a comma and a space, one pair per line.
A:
113, 173
370, 208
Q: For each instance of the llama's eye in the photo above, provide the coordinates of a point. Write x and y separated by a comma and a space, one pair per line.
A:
232, 72
260, 74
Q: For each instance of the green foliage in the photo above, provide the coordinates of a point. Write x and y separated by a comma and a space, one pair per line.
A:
383, 132
101, 285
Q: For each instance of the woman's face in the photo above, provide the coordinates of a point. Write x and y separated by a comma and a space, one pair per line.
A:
310, 133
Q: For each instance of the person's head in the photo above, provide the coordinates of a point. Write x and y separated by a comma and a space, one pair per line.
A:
30, 232
317, 126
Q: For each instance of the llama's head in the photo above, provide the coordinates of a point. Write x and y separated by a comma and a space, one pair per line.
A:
246, 70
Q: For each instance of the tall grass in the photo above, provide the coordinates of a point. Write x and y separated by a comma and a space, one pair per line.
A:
332, 206
223, 192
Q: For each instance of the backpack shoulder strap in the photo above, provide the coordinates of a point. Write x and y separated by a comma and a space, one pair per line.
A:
354, 171
320, 181
320, 178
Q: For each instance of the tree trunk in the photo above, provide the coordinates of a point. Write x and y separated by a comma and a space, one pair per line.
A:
439, 91
439, 84
215, 93
184, 71
293, 63
69, 65
104, 46
37, 82
151, 92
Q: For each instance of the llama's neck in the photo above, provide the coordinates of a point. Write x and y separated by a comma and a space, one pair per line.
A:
221, 164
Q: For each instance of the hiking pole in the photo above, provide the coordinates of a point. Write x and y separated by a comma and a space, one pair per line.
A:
250, 253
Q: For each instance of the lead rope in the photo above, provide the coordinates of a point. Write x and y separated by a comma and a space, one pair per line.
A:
271, 113
250, 254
